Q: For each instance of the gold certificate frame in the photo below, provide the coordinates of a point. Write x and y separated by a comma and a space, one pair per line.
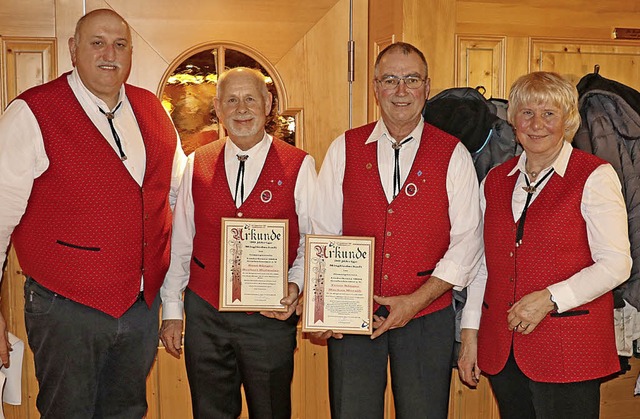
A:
254, 264
338, 287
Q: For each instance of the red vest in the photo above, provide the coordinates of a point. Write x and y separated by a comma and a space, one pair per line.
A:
212, 201
90, 231
412, 232
577, 345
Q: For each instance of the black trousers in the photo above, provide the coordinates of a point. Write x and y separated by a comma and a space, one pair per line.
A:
226, 349
89, 364
420, 359
519, 397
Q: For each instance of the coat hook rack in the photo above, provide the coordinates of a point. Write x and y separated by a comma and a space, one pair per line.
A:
596, 69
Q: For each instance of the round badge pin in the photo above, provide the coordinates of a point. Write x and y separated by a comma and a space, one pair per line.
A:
266, 196
411, 189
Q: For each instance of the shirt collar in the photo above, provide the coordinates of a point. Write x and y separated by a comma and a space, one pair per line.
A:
231, 150
76, 82
380, 131
559, 165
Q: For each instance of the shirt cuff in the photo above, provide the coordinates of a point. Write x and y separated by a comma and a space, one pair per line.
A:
172, 310
452, 273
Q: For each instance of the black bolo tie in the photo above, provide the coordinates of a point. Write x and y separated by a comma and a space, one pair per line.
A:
110, 116
530, 190
396, 169
242, 158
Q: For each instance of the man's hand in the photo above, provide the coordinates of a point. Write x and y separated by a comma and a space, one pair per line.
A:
290, 302
529, 311
5, 346
402, 308
171, 336
468, 358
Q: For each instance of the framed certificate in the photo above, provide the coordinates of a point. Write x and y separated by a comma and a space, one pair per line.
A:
338, 290
254, 266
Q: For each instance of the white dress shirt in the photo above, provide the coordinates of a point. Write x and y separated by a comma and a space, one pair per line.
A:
465, 247
605, 215
184, 228
23, 157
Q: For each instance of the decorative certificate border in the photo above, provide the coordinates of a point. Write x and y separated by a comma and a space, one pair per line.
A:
253, 264
338, 290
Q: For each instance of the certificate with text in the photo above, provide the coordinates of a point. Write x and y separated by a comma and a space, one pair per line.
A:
338, 290
254, 266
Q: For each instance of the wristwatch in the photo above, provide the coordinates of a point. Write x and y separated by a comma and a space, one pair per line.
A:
555, 305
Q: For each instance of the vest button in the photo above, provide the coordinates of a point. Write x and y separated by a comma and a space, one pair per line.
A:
390, 210
510, 254
511, 279
142, 269
146, 216
240, 214
387, 255
388, 233
145, 244
385, 277
510, 303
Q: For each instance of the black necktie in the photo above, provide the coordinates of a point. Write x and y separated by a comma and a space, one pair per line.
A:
240, 178
110, 116
530, 191
396, 170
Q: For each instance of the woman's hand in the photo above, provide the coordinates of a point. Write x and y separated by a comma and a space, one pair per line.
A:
528, 312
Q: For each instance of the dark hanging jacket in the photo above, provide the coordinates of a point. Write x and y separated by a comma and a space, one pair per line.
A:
610, 129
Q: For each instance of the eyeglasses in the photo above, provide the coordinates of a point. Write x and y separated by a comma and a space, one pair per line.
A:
391, 82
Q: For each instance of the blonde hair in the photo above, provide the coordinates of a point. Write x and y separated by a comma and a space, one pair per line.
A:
546, 87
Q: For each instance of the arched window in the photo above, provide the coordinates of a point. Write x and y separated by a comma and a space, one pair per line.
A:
189, 86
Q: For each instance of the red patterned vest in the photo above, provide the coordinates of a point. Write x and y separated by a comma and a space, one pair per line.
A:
212, 201
577, 345
412, 232
90, 231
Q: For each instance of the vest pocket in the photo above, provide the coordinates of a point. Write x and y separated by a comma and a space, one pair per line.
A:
425, 273
570, 313
75, 246
197, 262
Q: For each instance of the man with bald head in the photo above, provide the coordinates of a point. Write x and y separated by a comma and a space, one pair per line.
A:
88, 168
249, 174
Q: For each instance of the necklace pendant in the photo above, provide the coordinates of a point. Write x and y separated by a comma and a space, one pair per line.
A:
529, 189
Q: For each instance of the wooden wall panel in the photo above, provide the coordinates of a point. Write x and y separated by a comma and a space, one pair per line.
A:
27, 62
575, 58
34, 18
316, 68
431, 26
480, 61
556, 18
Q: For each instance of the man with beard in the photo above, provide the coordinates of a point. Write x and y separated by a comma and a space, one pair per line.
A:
87, 167
247, 175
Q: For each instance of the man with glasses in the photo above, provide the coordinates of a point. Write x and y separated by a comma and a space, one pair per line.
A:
414, 188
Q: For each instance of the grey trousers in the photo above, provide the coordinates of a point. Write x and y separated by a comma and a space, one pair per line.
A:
519, 397
225, 349
419, 355
89, 364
